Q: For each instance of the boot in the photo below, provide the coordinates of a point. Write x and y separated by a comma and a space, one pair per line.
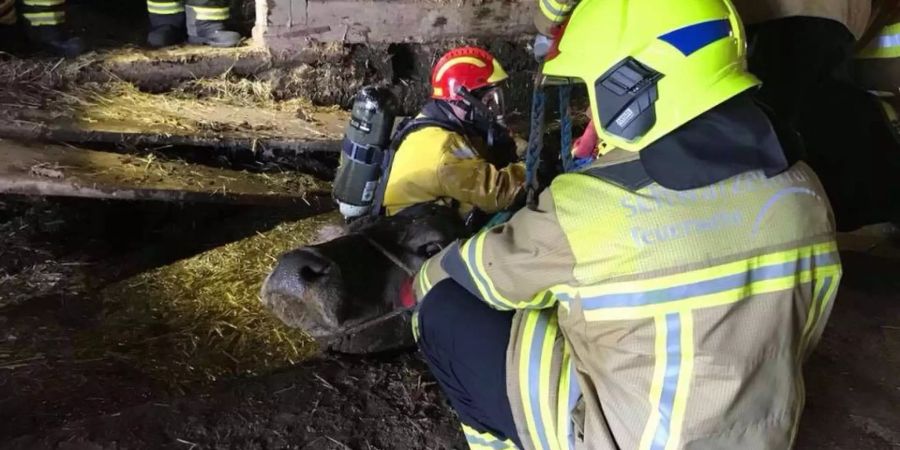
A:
166, 30
56, 40
209, 32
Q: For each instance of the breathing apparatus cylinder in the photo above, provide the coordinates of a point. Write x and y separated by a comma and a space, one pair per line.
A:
363, 151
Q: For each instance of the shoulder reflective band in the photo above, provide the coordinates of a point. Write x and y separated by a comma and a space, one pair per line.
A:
885, 45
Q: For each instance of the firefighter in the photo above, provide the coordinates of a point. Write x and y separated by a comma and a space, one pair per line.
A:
458, 150
201, 22
663, 296
45, 27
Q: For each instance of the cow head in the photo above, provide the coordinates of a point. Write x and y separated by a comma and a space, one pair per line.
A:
329, 290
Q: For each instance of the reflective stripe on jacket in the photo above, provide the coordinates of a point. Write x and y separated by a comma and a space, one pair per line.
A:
854, 14
653, 318
436, 164
877, 66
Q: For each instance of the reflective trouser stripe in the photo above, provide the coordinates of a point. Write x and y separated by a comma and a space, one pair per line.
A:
885, 45
164, 7
210, 13
45, 18
535, 361
43, 2
484, 441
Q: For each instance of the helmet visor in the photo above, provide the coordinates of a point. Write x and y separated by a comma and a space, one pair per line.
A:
492, 98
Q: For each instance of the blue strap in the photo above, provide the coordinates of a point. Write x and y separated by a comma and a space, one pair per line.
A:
535, 146
565, 128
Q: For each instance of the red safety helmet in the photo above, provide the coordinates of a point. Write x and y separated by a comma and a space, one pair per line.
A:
469, 67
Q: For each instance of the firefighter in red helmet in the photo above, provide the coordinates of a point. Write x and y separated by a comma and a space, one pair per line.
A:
458, 150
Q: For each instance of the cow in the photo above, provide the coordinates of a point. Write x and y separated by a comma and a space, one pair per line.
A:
343, 292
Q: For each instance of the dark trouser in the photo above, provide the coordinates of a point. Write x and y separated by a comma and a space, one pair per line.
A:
464, 343
803, 63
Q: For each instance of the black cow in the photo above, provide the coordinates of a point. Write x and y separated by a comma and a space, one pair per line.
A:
342, 292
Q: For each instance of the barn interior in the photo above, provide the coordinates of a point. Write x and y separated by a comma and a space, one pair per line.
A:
145, 194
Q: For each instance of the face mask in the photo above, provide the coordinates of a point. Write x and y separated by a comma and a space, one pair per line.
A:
492, 99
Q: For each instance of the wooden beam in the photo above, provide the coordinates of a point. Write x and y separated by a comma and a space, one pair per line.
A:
52, 170
144, 120
367, 21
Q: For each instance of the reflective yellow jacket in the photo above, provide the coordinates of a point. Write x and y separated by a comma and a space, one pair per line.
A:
436, 164
650, 318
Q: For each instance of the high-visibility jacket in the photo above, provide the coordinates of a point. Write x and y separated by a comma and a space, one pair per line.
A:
854, 14
877, 66
435, 164
649, 318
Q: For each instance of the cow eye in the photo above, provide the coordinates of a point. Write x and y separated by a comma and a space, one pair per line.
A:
429, 250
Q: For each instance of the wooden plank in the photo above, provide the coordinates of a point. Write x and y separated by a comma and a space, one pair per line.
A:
367, 21
52, 170
139, 119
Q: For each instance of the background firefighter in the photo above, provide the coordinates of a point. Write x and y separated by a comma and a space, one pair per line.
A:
462, 153
44, 24
197, 21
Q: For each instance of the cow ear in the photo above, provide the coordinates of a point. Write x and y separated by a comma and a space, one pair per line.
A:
428, 250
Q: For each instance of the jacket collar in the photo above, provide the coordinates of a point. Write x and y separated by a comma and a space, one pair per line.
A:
733, 138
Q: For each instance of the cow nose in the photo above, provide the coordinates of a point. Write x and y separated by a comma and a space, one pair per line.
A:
310, 265
301, 267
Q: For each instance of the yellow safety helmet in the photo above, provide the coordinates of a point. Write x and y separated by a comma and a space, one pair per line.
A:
650, 65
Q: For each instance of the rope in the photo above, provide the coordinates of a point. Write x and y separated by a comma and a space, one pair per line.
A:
535, 146
392, 257
565, 128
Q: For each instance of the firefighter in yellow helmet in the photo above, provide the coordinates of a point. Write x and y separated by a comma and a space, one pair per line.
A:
458, 151
44, 25
665, 295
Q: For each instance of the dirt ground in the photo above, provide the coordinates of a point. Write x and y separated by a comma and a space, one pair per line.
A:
55, 254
